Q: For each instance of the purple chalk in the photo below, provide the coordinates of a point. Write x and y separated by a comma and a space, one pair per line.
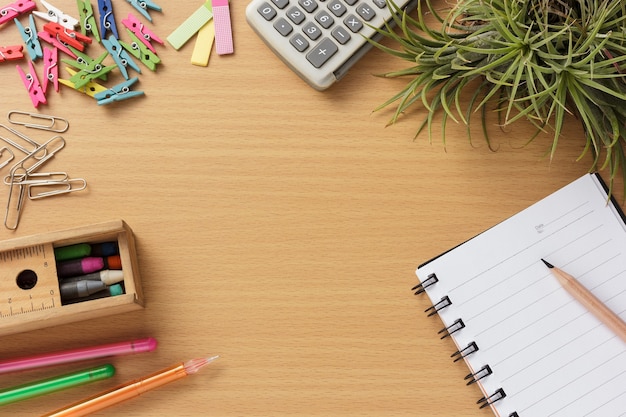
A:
79, 267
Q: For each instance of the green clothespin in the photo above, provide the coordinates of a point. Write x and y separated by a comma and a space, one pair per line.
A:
87, 19
141, 51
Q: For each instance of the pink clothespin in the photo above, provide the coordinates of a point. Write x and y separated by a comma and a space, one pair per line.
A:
144, 34
13, 10
10, 53
52, 40
31, 82
50, 68
67, 36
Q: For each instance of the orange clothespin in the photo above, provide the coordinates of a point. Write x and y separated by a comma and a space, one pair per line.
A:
67, 36
50, 69
13, 10
10, 53
31, 82
52, 40
142, 33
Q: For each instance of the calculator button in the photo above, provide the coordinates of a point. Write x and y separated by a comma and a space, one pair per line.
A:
267, 11
351, 2
353, 23
308, 5
338, 8
322, 52
324, 19
299, 42
341, 35
366, 12
381, 4
312, 31
283, 26
295, 15
281, 4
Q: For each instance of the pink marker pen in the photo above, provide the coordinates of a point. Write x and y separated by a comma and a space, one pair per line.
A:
74, 355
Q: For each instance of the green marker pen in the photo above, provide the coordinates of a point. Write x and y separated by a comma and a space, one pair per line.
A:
56, 383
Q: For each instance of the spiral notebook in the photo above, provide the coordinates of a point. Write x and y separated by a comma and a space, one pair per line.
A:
531, 348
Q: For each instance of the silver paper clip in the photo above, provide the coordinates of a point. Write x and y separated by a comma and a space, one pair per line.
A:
9, 159
30, 163
15, 201
56, 187
16, 116
21, 136
36, 178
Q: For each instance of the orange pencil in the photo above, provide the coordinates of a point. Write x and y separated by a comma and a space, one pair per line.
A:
132, 389
589, 301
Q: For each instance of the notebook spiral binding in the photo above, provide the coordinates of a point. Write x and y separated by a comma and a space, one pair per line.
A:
460, 354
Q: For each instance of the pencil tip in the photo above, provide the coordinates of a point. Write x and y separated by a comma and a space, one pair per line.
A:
194, 365
548, 264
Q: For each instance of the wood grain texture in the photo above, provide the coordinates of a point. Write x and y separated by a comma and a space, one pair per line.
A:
278, 227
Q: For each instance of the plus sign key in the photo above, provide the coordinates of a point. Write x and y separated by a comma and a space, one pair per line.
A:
322, 52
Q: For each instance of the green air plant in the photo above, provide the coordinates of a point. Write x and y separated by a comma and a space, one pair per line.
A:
539, 60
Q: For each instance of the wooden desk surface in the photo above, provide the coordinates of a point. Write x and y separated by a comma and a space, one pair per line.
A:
278, 227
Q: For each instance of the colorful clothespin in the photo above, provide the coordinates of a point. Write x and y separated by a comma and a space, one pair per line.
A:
68, 36
139, 50
11, 53
31, 82
121, 57
29, 35
52, 40
89, 69
107, 19
50, 68
91, 88
142, 33
13, 10
56, 16
118, 92
142, 7
87, 19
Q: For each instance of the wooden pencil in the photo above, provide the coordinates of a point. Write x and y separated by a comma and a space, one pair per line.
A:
589, 301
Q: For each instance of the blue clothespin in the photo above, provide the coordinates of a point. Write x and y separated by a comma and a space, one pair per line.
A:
29, 35
87, 19
141, 51
89, 69
107, 19
118, 92
121, 57
142, 7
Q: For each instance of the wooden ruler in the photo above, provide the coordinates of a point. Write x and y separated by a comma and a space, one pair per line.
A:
28, 281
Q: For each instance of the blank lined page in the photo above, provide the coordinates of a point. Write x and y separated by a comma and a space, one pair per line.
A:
547, 352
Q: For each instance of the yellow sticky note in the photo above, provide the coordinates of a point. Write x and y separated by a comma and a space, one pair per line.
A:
204, 44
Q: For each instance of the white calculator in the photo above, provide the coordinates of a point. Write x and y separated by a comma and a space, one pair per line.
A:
320, 39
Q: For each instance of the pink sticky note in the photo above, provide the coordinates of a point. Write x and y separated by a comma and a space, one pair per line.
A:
223, 30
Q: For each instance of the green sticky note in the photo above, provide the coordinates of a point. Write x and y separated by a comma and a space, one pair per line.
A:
191, 26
